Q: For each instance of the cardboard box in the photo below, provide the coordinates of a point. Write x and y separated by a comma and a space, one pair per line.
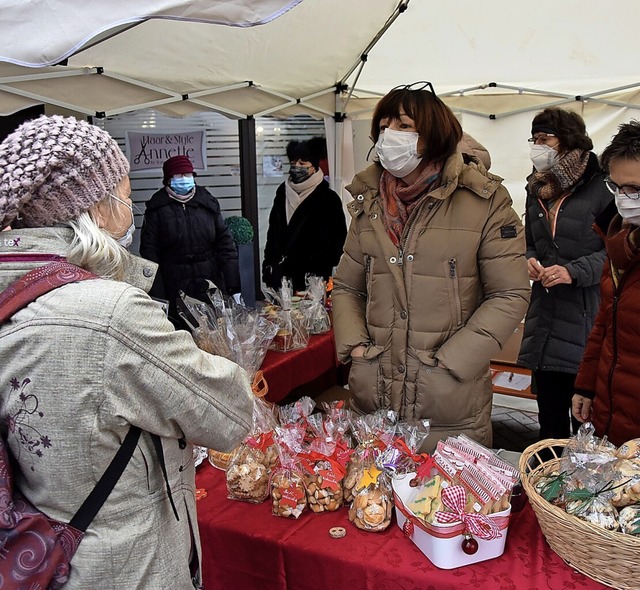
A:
442, 543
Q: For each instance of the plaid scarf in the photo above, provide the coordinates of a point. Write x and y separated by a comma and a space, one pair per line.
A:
399, 200
561, 178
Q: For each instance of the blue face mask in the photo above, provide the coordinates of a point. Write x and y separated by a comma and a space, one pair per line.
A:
182, 186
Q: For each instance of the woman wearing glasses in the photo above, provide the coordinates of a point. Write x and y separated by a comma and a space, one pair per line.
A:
565, 256
433, 278
608, 381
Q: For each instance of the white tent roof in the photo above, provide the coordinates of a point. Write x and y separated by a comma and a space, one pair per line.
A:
286, 57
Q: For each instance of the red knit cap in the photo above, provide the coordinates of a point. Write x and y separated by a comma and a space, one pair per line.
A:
176, 165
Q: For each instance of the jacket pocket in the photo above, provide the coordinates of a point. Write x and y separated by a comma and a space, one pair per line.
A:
366, 382
453, 289
441, 397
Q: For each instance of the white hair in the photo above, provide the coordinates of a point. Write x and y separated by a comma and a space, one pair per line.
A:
95, 250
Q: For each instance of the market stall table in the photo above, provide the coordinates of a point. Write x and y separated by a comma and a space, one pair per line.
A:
245, 547
285, 371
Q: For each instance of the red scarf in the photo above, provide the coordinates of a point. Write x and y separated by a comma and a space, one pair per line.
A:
399, 200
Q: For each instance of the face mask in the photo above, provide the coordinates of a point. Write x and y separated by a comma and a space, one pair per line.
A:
629, 209
298, 174
398, 152
543, 157
126, 240
182, 186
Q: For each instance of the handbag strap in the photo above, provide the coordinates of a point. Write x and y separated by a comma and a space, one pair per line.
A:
37, 282
98, 496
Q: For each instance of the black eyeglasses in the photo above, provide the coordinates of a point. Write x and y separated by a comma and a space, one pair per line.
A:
629, 191
422, 85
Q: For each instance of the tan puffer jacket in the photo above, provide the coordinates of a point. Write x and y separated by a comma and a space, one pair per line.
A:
433, 313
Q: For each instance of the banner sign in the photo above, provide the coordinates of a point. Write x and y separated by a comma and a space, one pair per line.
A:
148, 151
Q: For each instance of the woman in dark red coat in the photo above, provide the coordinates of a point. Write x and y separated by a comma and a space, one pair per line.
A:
608, 382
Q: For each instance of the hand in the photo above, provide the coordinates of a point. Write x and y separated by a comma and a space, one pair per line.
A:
358, 351
534, 268
581, 407
554, 275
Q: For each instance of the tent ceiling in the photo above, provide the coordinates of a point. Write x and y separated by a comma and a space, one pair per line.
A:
182, 59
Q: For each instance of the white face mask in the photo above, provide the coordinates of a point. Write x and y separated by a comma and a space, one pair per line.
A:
629, 209
398, 152
543, 157
126, 239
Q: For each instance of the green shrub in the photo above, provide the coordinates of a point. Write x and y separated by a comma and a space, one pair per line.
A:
241, 229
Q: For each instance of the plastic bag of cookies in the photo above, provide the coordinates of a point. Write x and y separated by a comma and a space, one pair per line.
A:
371, 432
372, 504
247, 475
324, 466
288, 494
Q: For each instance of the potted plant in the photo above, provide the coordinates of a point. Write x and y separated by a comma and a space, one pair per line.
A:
242, 232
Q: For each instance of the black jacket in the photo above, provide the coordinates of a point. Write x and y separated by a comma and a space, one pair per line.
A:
311, 243
191, 243
558, 322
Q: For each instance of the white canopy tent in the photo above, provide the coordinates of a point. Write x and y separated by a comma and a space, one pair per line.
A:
494, 63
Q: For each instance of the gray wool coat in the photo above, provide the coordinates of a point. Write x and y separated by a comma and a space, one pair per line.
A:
79, 366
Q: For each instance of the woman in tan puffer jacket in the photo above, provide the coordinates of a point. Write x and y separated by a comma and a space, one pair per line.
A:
433, 279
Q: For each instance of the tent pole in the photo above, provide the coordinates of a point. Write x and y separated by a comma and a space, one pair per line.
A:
249, 188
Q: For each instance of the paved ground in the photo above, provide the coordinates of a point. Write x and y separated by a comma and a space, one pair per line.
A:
515, 423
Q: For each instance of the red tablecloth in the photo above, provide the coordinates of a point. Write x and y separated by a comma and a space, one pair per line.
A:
284, 371
245, 548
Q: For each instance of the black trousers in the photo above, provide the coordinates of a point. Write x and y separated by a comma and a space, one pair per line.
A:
554, 391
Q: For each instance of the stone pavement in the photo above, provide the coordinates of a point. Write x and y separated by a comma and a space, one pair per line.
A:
515, 422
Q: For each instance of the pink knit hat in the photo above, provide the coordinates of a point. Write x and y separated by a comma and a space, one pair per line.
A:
54, 168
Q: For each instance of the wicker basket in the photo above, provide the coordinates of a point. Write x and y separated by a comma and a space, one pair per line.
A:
612, 558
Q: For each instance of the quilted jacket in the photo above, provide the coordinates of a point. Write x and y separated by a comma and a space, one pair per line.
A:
433, 312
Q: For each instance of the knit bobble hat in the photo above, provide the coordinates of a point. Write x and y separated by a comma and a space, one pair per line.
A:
176, 165
54, 168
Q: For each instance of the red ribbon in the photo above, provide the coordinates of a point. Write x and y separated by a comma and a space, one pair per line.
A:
424, 461
479, 525
262, 441
309, 460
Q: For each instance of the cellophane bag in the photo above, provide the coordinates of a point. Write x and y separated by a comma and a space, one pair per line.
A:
371, 432
230, 329
292, 333
372, 503
316, 317
288, 493
323, 465
250, 465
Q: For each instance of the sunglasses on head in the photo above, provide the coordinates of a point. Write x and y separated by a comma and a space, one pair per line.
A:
422, 85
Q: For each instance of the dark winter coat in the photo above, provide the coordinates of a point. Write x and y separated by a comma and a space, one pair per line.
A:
312, 241
191, 244
610, 370
558, 322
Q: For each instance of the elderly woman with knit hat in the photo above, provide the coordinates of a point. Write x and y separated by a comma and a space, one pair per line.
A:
87, 360
185, 234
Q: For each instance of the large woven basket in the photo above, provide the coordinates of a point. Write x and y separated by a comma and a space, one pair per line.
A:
612, 558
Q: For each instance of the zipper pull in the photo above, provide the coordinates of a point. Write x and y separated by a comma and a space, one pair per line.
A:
400, 257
